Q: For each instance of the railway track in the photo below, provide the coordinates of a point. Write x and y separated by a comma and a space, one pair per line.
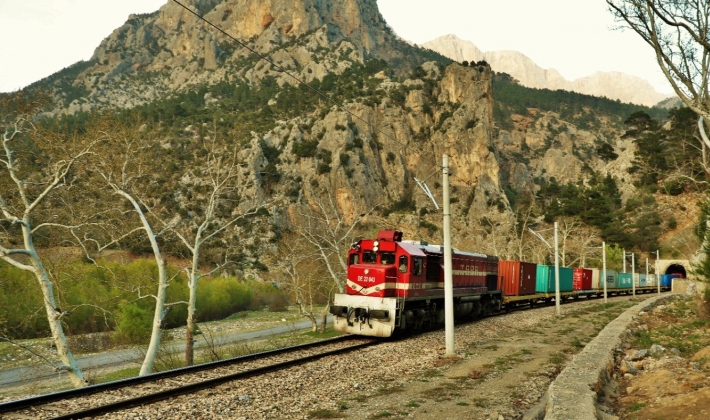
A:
120, 395
133, 392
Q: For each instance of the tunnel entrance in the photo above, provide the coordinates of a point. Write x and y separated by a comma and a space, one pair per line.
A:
677, 269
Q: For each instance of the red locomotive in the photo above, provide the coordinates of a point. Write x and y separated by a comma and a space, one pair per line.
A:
400, 284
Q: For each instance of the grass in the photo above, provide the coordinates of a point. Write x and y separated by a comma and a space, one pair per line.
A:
636, 407
557, 358
448, 390
566, 331
481, 402
119, 374
324, 413
577, 343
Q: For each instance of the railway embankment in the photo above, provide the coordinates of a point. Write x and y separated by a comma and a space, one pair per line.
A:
580, 390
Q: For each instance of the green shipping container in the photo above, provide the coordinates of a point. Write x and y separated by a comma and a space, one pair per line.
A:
611, 276
566, 279
546, 279
543, 279
625, 281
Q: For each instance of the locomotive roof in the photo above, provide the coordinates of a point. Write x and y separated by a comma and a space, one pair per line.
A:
439, 249
413, 250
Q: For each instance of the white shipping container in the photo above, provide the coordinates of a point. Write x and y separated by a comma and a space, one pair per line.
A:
595, 278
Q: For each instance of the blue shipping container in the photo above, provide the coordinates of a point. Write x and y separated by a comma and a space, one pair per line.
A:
667, 280
610, 280
625, 281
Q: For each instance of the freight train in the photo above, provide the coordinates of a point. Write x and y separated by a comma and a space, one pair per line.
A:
394, 284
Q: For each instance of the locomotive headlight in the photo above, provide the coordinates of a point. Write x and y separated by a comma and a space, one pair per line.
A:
376, 243
375, 248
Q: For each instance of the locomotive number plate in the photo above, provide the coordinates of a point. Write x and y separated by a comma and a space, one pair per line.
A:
365, 279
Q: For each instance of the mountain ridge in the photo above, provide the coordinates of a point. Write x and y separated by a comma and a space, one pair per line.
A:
613, 85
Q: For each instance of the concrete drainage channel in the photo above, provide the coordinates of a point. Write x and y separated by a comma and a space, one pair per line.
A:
577, 389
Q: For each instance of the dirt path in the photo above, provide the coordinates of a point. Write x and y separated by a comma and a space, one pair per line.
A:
501, 372
665, 371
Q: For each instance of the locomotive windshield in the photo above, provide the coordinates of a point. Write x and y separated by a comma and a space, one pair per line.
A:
369, 257
354, 259
387, 258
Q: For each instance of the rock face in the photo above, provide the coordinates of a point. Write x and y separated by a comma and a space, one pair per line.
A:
613, 85
172, 49
414, 116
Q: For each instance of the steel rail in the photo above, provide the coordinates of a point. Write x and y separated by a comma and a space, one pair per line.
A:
210, 383
123, 383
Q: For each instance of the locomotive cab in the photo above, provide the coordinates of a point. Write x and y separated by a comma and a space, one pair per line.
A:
396, 284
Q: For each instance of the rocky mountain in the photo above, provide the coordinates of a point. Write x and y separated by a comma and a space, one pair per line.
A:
402, 108
613, 85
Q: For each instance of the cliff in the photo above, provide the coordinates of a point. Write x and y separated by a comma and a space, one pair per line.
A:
613, 85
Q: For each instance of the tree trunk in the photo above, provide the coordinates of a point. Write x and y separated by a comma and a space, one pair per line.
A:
53, 312
154, 345
324, 319
160, 312
191, 309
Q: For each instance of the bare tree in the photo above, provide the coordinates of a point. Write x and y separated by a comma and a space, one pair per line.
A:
129, 167
35, 167
677, 31
304, 275
325, 227
576, 240
211, 216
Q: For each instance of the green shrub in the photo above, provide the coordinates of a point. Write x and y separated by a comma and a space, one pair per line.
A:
134, 325
305, 149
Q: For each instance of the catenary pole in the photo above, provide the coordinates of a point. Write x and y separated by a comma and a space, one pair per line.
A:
624, 259
646, 271
448, 273
557, 274
604, 268
633, 274
658, 274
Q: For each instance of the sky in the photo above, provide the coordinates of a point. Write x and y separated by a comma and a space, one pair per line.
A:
576, 37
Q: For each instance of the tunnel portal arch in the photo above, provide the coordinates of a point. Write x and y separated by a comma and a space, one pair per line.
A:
681, 267
677, 269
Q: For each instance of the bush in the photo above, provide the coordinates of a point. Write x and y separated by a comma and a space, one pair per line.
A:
267, 295
674, 187
305, 149
323, 168
221, 297
672, 223
134, 325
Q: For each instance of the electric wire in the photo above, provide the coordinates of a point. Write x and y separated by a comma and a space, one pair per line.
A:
285, 71
300, 81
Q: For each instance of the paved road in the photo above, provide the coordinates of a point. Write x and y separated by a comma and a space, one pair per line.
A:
16, 376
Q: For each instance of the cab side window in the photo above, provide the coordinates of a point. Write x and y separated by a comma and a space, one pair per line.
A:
387, 258
418, 266
403, 262
369, 257
354, 259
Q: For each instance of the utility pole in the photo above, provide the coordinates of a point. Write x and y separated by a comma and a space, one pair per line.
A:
624, 259
658, 275
604, 268
633, 274
557, 274
448, 273
646, 271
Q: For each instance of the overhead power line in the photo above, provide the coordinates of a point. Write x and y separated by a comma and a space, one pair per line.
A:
286, 72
